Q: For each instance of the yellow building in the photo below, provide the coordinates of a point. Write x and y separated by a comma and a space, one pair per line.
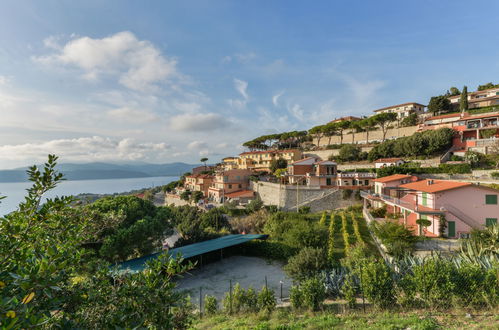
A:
261, 160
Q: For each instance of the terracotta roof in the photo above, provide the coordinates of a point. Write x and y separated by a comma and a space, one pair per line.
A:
492, 114
399, 105
241, 193
393, 177
387, 160
450, 115
326, 161
301, 160
268, 151
200, 176
349, 118
436, 186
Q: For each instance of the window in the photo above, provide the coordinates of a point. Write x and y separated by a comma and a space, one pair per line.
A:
366, 182
490, 221
491, 199
230, 186
425, 199
240, 186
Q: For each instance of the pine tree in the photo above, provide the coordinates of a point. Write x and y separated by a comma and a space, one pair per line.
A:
463, 102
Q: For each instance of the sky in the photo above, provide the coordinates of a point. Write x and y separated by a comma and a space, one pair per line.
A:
169, 81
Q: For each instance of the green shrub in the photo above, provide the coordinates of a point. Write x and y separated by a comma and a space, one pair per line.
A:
377, 284
266, 300
379, 212
268, 249
296, 297
254, 205
398, 239
346, 193
307, 263
210, 305
495, 175
314, 293
304, 210
349, 289
349, 152
323, 219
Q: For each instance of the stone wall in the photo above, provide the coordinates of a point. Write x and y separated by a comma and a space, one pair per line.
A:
325, 154
175, 200
373, 136
351, 167
287, 197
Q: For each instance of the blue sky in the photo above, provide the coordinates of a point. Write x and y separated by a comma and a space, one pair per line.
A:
161, 81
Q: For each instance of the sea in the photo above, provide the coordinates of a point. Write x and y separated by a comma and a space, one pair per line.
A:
16, 191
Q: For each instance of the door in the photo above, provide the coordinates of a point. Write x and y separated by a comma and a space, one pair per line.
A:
451, 227
328, 181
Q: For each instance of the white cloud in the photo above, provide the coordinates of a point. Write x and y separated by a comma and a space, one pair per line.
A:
85, 149
199, 122
138, 64
241, 87
275, 98
132, 115
297, 112
223, 145
195, 145
4, 80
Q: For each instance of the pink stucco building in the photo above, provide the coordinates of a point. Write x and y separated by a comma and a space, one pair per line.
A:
461, 205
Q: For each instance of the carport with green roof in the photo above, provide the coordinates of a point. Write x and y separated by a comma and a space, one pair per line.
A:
189, 251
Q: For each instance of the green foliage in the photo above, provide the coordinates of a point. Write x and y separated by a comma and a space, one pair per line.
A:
346, 193
313, 293
132, 207
210, 305
307, 263
197, 196
47, 280
279, 163
487, 86
383, 120
398, 239
266, 300
330, 240
439, 104
304, 210
454, 91
349, 152
323, 219
411, 168
463, 101
377, 284
186, 195
380, 212
254, 205
411, 120
296, 297
495, 175
475, 158
427, 143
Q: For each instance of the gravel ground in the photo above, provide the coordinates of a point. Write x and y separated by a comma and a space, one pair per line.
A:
214, 278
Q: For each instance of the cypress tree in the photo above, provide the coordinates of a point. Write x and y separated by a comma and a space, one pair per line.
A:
463, 102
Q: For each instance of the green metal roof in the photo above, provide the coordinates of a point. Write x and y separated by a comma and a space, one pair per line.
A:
188, 251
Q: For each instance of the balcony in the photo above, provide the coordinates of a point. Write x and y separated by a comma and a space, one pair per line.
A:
400, 202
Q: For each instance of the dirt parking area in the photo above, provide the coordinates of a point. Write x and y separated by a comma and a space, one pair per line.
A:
214, 278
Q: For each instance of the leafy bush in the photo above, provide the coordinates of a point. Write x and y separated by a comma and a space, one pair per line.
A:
412, 168
427, 143
379, 212
495, 175
346, 193
314, 293
307, 263
377, 284
398, 239
254, 205
304, 210
210, 305
250, 224
349, 152
296, 297
266, 300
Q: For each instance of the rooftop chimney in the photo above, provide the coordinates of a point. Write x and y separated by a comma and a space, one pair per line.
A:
429, 182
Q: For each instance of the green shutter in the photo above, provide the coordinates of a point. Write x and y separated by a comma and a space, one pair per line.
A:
425, 201
490, 221
491, 199
451, 226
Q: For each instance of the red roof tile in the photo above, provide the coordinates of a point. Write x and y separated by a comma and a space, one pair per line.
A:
387, 160
436, 186
400, 105
241, 193
393, 177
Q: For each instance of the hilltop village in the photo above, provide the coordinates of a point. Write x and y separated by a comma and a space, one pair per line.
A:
417, 163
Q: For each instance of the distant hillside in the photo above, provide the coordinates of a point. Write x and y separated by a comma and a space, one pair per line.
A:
94, 171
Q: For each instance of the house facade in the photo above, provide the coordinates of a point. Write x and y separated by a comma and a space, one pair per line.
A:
384, 162
198, 182
450, 208
478, 99
403, 110
227, 182
314, 172
261, 160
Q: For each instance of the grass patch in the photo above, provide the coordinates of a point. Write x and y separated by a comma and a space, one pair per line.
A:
285, 318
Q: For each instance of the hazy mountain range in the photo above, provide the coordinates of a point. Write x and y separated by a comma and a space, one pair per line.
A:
93, 171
